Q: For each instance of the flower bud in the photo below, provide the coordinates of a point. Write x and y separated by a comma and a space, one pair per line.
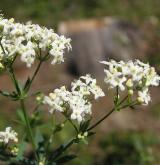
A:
82, 136
11, 20
14, 150
38, 98
85, 134
62, 125
52, 95
140, 100
129, 83
79, 136
16, 140
130, 92
41, 163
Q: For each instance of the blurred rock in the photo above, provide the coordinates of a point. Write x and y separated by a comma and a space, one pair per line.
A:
101, 39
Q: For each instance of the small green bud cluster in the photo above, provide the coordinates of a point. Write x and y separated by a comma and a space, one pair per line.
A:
82, 135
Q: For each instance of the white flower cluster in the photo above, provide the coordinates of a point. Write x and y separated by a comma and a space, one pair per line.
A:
76, 100
9, 135
27, 40
133, 75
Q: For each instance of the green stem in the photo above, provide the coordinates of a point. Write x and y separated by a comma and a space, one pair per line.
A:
69, 144
50, 138
129, 105
52, 135
73, 125
105, 116
70, 121
2, 47
64, 147
13, 77
14, 59
34, 75
117, 91
28, 126
36, 71
14, 80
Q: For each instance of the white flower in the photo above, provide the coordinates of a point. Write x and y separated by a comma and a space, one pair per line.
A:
144, 96
58, 47
8, 135
28, 54
87, 85
135, 75
79, 107
57, 99
75, 100
27, 39
129, 83
151, 77
115, 79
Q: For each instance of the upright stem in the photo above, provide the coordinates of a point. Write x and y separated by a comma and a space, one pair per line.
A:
28, 126
19, 92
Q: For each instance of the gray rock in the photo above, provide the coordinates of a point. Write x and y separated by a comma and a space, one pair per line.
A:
103, 40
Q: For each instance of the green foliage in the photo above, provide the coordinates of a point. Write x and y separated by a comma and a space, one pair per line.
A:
130, 148
50, 12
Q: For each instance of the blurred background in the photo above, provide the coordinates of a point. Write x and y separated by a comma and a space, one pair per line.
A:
100, 30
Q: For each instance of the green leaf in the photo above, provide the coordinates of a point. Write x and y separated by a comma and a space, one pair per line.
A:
14, 96
21, 116
5, 93
18, 122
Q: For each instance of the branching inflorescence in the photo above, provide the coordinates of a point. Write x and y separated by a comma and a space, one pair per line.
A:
32, 42
134, 76
77, 100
